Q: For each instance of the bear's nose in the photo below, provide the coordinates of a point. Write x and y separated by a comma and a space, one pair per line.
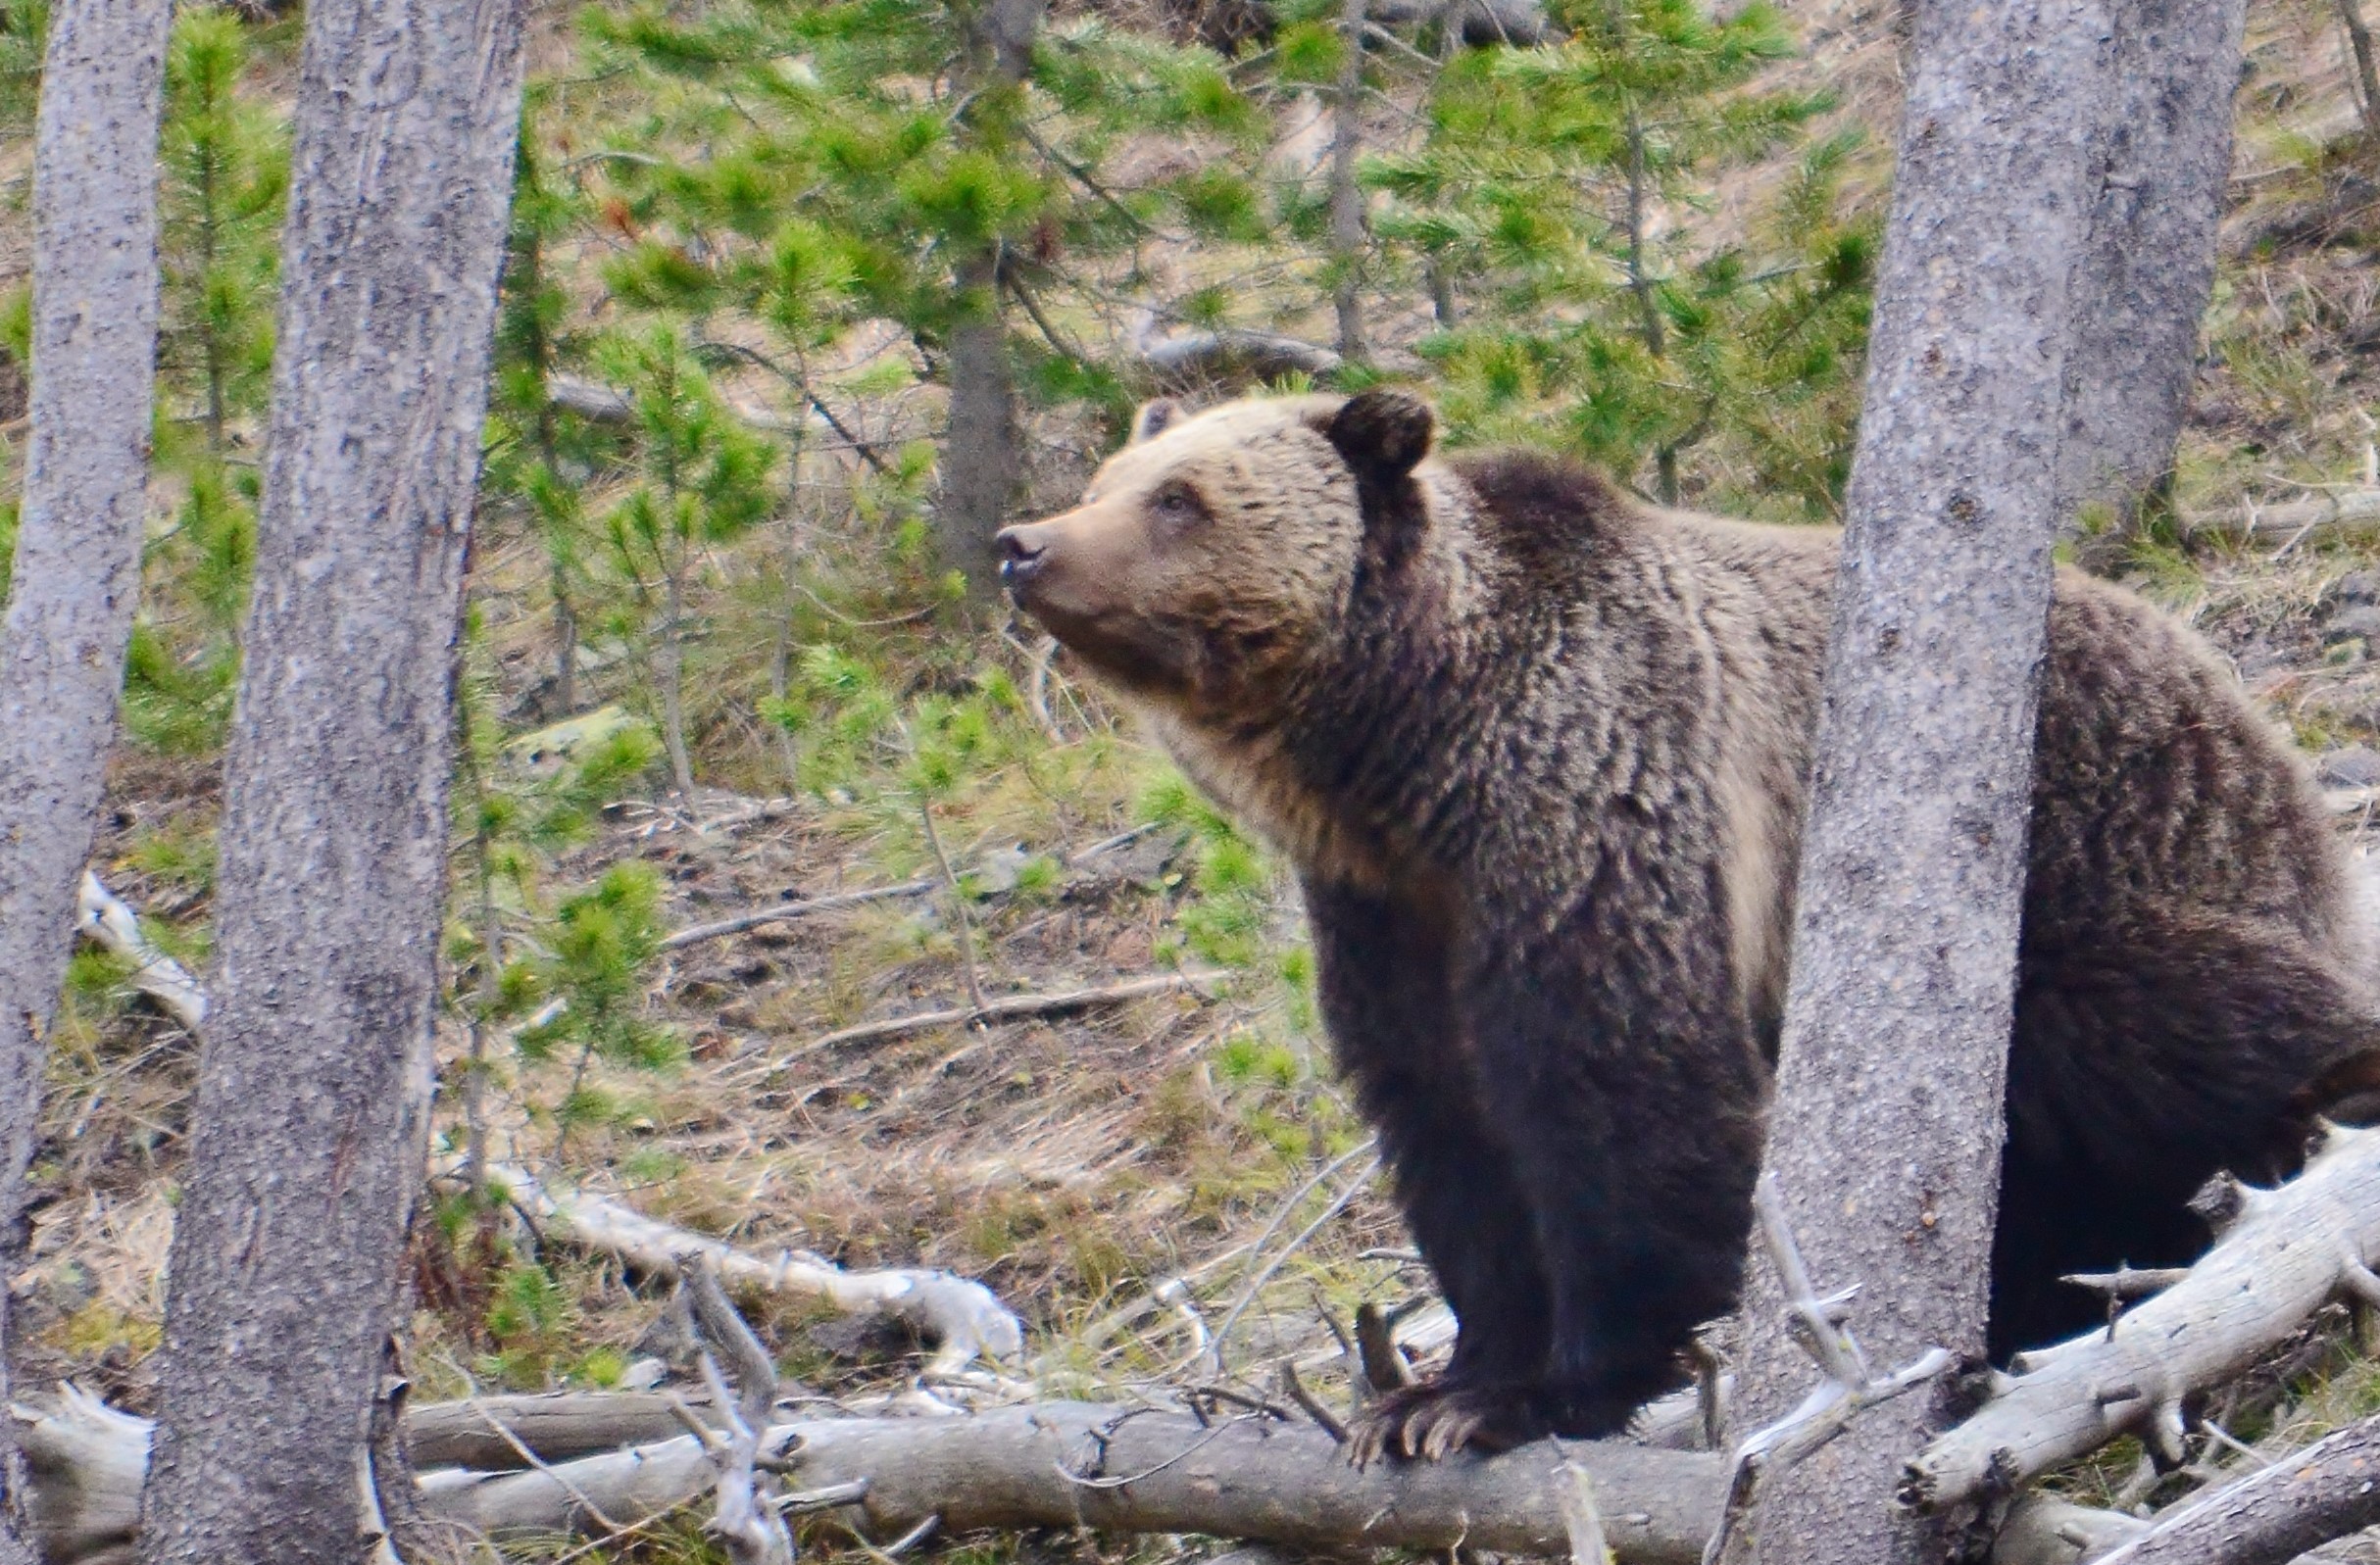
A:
1020, 552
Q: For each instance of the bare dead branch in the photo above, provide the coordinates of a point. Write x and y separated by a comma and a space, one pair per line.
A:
1004, 1008
2341, 507
1257, 1480
745, 1521
963, 1317
2128, 1281
1820, 1324
2285, 1253
105, 920
785, 912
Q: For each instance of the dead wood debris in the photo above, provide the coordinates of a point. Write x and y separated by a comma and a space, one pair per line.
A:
2275, 1514
1130, 1469
2282, 1255
786, 912
106, 920
995, 1008
742, 1395
967, 1321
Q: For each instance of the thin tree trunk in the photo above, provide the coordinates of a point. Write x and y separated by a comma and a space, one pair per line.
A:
211, 340
308, 1134
673, 675
2162, 159
1648, 306
2368, 77
491, 951
530, 259
982, 463
1885, 1131
1442, 303
1347, 227
77, 575
781, 656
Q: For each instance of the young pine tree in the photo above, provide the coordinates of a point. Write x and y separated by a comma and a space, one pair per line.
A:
511, 820
699, 478
1561, 177
225, 170
541, 453
226, 163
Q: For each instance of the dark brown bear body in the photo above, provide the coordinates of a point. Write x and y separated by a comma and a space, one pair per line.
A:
1539, 753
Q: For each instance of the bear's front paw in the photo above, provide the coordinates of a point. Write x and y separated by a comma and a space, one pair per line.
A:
1433, 1420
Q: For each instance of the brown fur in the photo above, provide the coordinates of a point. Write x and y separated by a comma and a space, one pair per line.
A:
1539, 753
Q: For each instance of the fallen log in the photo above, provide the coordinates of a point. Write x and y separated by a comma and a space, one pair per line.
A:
1127, 1469
1061, 1464
963, 1318
2283, 1254
1234, 354
2342, 508
2275, 1514
490, 1433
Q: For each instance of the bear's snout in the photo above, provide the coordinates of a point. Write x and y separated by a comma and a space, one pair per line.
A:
1020, 552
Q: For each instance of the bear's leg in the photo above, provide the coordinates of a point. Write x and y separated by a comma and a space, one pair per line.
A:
1386, 998
1628, 1080
2147, 1058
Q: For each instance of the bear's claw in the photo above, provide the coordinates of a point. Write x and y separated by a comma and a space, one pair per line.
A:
1431, 1421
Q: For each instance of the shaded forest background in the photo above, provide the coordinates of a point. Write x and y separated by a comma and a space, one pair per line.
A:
799, 298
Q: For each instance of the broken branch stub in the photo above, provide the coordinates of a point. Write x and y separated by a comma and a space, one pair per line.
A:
964, 1319
2285, 1253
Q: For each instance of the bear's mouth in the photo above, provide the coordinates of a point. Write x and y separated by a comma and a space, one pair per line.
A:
1136, 655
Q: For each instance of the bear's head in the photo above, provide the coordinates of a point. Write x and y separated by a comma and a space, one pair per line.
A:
1212, 557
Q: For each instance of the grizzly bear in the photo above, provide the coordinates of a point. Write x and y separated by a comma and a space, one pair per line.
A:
1539, 753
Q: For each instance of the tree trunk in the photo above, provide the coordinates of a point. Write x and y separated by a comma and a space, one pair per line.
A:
672, 670
77, 575
982, 463
1886, 1127
1347, 229
2368, 77
2159, 164
309, 1129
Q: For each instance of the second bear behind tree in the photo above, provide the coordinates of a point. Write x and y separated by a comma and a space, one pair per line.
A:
1539, 753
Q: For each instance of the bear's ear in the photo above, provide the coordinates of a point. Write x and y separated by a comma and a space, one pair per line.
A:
1153, 420
1383, 434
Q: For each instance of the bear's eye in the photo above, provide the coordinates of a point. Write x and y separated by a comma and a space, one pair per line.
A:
1175, 503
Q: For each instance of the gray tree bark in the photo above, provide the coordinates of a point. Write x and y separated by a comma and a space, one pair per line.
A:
982, 464
982, 467
308, 1135
1886, 1127
76, 576
1348, 231
2161, 163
